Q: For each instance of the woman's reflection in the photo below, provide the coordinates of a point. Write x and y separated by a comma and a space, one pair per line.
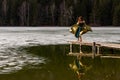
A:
79, 68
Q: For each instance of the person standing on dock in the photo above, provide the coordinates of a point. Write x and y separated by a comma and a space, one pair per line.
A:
80, 23
80, 28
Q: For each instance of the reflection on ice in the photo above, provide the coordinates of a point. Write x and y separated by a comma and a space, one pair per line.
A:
12, 60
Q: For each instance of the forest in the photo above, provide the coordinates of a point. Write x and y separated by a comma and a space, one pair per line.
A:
59, 12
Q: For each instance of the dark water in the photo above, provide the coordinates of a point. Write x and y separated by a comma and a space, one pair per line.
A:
57, 66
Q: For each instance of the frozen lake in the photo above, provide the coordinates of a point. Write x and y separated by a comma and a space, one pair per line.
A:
20, 36
12, 38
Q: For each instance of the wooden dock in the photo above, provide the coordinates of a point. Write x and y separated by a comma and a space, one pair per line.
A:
84, 55
109, 45
95, 49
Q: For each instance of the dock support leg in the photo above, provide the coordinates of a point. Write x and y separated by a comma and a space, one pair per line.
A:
98, 49
80, 48
70, 48
94, 49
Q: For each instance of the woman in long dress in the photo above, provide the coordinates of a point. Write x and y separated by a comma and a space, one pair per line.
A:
80, 23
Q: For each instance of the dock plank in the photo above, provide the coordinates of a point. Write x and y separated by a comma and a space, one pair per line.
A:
83, 54
109, 45
83, 43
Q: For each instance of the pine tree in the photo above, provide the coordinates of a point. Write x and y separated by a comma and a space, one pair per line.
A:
116, 16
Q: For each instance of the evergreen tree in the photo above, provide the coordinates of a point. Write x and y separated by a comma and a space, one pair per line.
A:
95, 14
116, 16
105, 12
58, 12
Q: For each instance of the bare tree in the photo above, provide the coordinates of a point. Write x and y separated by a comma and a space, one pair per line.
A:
52, 13
4, 10
24, 14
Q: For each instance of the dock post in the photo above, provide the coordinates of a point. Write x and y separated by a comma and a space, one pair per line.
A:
70, 47
98, 49
80, 48
94, 49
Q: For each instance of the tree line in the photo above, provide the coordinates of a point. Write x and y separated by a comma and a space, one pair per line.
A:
59, 12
